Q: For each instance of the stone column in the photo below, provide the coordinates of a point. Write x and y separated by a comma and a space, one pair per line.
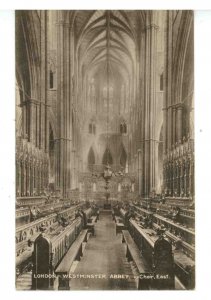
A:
24, 179
169, 129
184, 179
37, 138
165, 121
167, 178
179, 123
35, 180
17, 178
46, 174
60, 102
41, 178
57, 164
150, 109
172, 178
23, 105
43, 80
33, 121
64, 108
168, 81
173, 126
191, 120
139, 172
21, 178
32, 179
73, 183
188, 177
192, 176
38, 180
178, 179
28, 178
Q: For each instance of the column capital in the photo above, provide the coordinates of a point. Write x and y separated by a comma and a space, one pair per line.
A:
176, 106
33, 101
63, 24
152, 26
62, 139
179, 105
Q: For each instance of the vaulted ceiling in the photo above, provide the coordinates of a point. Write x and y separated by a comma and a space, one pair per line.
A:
107, 41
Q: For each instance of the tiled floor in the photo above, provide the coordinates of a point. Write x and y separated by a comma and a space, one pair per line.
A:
104, 255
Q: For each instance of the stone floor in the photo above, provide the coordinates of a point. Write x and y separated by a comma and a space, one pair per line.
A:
104, 257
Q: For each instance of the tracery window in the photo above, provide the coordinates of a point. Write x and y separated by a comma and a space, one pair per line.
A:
92, 128
123, 127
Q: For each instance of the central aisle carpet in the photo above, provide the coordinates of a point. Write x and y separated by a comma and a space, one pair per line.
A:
104, 257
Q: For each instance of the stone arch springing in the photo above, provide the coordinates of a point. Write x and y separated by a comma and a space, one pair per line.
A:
19, 117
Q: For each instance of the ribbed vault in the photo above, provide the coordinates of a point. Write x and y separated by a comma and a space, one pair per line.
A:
103, 31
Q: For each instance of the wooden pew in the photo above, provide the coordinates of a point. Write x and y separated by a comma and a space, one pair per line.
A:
91, 224
117, 219
157, 265
74, 253
97, 215
119, 227
133, 254
93, 219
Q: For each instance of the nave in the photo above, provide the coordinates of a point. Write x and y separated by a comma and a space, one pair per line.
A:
104, 255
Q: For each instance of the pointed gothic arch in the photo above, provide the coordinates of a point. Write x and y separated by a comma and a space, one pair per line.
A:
107, 157
91, 158
123, 157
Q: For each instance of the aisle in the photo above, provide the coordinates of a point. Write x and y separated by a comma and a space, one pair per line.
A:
104, 257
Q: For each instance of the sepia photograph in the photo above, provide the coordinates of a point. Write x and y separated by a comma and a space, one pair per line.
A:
104, 153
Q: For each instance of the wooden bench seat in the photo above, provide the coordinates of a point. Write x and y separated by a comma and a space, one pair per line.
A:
178, 242
94, 219
97, 215
133, 254
119, 227
91, 224
74, 253
91, 228
117, 219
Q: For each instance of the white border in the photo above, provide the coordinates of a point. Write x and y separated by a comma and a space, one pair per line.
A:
203, 148
106, 4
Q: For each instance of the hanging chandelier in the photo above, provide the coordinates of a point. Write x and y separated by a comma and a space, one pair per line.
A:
107, 172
